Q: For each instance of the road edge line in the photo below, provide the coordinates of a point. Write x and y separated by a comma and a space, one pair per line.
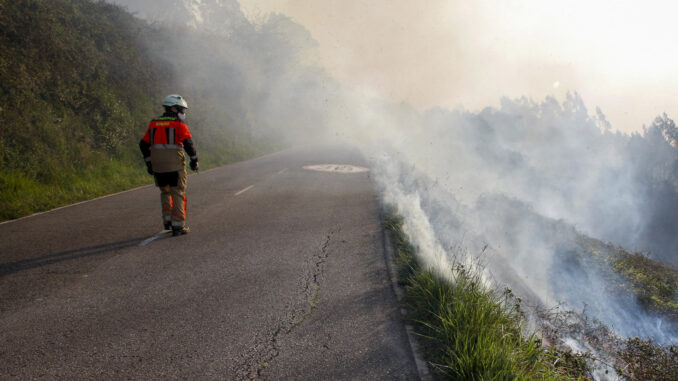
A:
422, 365
74, 204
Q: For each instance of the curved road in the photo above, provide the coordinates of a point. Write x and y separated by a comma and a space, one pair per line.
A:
282, 277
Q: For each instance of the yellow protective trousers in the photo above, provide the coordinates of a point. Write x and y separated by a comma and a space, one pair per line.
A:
173, 196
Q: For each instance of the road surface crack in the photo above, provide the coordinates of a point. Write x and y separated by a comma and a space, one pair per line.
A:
312, 285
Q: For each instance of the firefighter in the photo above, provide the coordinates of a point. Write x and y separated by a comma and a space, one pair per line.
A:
163, 146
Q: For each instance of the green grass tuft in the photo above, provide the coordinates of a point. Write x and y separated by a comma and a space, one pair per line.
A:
23, 195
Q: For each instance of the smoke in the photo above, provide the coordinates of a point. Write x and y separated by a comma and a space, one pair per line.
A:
522, 187
515, 189
560, 163
260, 80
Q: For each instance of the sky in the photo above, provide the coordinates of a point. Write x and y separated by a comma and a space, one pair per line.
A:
620, 55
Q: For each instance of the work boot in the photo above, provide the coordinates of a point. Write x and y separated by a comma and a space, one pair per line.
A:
168, 225
179, 230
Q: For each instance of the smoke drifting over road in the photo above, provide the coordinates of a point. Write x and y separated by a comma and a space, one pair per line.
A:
559, 162
514, 188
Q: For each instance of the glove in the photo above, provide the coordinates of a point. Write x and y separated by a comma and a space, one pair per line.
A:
194, 164
149, 168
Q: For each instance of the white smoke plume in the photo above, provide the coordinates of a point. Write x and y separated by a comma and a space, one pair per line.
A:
526, 185
517, 188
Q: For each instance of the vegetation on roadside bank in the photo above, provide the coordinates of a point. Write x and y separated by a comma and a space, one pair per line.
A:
77, 90
80, 79
470, 332
74, 88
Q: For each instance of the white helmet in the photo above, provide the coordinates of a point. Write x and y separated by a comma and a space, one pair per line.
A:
175, 100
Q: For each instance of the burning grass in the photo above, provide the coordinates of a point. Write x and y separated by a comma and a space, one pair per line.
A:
654, 284
471, 332
644, 360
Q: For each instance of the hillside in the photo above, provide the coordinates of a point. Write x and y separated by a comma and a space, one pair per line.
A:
79, 81
75, 88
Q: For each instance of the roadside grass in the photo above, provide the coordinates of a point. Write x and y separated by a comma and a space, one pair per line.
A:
58, 184
24, 195
470, 332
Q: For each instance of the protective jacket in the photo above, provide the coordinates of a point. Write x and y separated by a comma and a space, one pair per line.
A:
164, 143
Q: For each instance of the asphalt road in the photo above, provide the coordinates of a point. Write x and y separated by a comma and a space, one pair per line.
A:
283, 277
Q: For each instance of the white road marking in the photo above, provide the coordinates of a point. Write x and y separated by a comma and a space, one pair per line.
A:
280, 172
244, 190
336, 168
153, 238
68, 206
